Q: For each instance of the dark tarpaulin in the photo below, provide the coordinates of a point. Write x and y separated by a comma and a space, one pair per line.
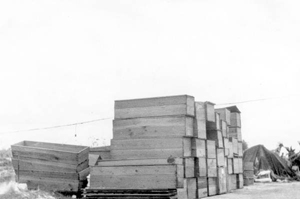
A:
267, 160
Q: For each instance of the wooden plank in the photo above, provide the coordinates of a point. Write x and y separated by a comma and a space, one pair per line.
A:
240, 181
28, 150
214, 125
48, 174
240, 165
202, 187
212, 186
180, 176
134, 170
234, 142
222, 186
93, 159
240, 149
200, 167
235, 119
154, 127
191, 188
230, 165
226, 146
47, 184
224, 114
220, 158
198, 147
47, 166
236, 168
84, 173
161, 181
152, 107
189, 167
211, 149
236, 133
104, 152
233, 182
210, 111
230, 149
141, 162
200, 120
216, 136
211, 167
224, 128
182, 193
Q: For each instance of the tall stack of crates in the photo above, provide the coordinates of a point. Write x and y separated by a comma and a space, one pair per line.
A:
172, 143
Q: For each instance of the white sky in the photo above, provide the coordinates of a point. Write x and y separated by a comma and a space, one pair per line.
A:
66, 61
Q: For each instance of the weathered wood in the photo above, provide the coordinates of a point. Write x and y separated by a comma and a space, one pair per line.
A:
240, 181
235, 132
233, 182
200, 167
234, 142
212, 186
214, 125
191, 188
240, 149
235, 119
202, 187
134, 177
224, 114
241, 165
224, 128
61, 153
180, 176
141, 162
84, 173
198, 147
222, 187
151, 148
47, 166
220, 158
47, 174
51, 184
152, 107
189, 167
103, 152
93, 159
153, 127
230, 165
216, 136
211, 149
210, 111
211, 167
182, 193
200, 120
236, 166
230, 149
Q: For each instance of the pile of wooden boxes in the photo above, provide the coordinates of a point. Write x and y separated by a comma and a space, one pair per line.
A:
168, 147
52, 167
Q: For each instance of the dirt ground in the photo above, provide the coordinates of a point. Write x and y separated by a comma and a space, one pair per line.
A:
288, 190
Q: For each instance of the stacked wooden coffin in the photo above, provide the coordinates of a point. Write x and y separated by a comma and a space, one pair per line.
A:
166, 147
47, 166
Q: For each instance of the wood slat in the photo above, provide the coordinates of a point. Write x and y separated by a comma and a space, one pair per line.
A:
200, 120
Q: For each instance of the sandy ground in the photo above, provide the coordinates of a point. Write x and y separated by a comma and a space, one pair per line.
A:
275, 190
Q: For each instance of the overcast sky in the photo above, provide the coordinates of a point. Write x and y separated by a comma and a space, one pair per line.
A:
66, 61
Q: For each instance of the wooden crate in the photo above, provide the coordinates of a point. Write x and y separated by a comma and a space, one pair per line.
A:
224, 114
210, 111
136, 177
235, 119
153, 127
216, 136
152, 107
234, 142
230, 149
212, 186
198, 147
202, 187
211, 167
49, 166
192, 188
220, 158
189, 167
240, 181
230, 165
200, 167
233, 181
226, 146
235, 132
211, 149
200, 120
222, 184
42, 151
151, 148
236, 166
224, 128
98, 153
240, 149
214, 125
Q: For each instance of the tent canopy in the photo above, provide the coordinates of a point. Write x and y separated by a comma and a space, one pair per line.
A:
267, 160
